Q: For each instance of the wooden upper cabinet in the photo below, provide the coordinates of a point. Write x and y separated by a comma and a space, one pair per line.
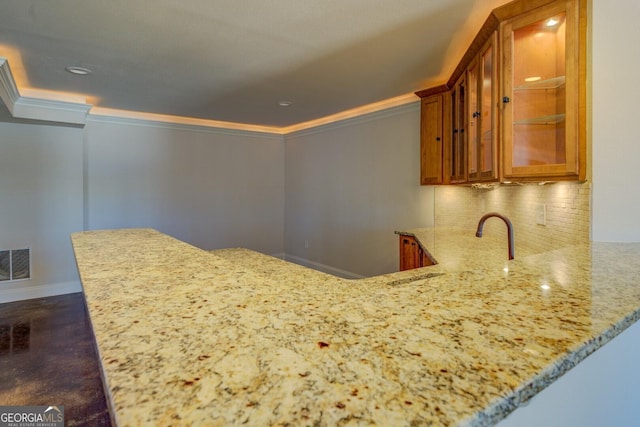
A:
515, 107
431, 140
542, 92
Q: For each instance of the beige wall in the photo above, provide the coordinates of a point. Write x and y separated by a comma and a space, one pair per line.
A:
212, 188
41, 204
349, 186
616, 134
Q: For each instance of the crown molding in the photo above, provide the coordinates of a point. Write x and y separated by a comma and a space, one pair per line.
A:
413, 106
178, 122
8, 89
165, 124
76, 113
53, 111
22, 107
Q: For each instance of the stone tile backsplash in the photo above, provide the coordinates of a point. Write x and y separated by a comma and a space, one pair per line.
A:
568, 207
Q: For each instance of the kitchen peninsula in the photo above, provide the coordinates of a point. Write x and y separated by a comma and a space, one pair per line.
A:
232, 337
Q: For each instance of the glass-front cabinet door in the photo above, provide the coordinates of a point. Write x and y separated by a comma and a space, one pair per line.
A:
541, 90
473, 121
457, 154
481, 114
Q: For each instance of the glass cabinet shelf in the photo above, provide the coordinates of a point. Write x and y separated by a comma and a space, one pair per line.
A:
552, 119
552, 83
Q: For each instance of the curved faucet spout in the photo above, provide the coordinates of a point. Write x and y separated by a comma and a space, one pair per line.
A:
509, 230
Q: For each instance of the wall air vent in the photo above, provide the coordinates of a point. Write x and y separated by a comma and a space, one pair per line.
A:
15, 264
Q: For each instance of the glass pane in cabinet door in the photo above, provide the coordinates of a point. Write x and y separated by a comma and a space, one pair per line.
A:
538, 93
472, 119
458, 116
486, 112
454, 136
462, 107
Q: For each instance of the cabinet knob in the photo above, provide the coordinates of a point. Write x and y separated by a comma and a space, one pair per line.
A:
505, 100
437, 138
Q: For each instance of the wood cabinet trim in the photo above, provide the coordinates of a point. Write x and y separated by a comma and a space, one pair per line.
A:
438, 90
486, 31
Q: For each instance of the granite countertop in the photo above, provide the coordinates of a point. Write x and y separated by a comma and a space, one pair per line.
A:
232, 337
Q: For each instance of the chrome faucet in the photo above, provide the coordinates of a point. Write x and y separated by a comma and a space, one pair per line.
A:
509, 229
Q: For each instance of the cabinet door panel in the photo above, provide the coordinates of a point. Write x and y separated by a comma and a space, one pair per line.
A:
481, 117
488, 137
431, 156
409, 253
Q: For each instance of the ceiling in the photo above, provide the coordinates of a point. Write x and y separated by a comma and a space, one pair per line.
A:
234, 61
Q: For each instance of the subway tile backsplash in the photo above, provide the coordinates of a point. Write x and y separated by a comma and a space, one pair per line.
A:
567, 205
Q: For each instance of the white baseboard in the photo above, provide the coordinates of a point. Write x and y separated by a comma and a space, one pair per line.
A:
25, 291
322, 267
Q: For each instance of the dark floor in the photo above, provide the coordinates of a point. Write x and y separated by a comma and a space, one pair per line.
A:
48, 357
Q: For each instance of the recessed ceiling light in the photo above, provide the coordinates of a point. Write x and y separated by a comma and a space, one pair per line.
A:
80, 71
285, 103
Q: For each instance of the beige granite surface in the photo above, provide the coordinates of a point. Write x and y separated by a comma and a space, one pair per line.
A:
234, 337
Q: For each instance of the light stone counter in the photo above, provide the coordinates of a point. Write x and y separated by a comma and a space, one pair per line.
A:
231, 337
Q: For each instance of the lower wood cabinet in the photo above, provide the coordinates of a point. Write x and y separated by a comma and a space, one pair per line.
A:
411, 254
